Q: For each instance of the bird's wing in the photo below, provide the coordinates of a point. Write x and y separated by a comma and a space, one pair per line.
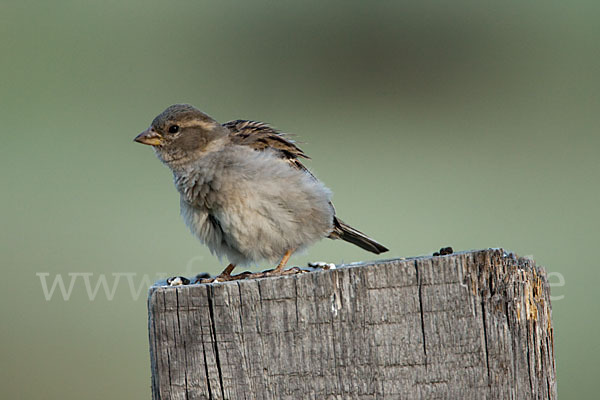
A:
261, 136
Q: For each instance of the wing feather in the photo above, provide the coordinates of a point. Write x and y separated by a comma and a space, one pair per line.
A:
261, 136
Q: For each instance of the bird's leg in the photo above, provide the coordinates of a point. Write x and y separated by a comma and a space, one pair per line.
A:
279, 269
226, 274
222, 277
227, 271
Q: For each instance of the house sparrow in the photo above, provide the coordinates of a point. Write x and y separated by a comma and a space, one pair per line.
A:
244, 192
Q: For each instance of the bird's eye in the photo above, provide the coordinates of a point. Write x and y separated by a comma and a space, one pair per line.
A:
174, 129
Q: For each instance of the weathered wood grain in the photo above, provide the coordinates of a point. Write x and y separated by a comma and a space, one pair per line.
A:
473, 325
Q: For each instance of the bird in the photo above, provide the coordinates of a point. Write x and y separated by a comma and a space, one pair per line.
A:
244, 191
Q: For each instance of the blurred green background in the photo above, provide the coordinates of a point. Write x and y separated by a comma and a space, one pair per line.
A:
434, 123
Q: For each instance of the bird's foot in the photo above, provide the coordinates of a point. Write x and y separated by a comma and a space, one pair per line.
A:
276, 272
206, 278
223, 277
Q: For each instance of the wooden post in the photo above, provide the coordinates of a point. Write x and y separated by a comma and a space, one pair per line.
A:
472, 325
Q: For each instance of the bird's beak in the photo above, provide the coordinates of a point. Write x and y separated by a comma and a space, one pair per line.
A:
149, 137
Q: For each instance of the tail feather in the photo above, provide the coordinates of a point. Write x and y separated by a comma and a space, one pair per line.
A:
343, 231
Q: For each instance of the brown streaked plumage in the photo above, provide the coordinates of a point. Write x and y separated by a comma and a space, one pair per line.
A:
261, 136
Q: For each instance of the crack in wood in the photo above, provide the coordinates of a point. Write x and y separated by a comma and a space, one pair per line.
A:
420, 283
485, 339
205, 364
213, 331
168, 354
184, 345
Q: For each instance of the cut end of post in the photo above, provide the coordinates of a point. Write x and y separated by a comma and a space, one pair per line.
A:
473, 324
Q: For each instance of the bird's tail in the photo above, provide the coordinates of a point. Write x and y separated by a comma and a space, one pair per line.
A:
345, 232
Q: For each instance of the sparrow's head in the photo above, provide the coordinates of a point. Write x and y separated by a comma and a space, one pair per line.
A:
181, 133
